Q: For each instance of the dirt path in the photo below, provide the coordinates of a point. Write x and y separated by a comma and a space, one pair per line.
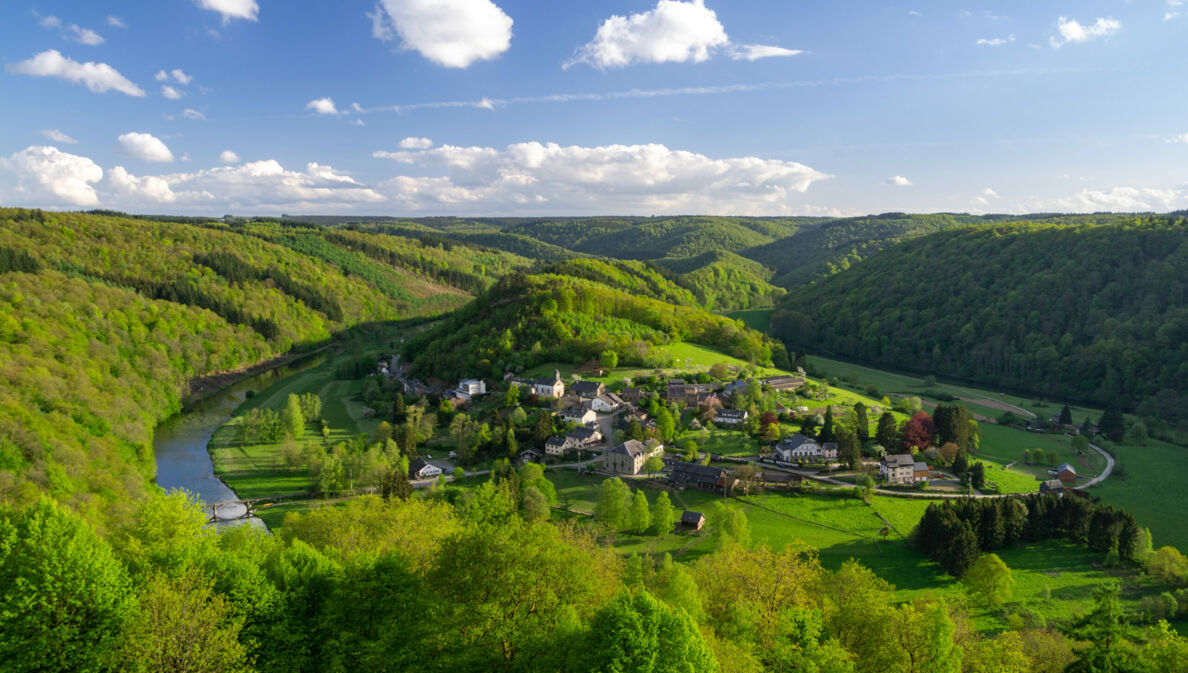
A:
996, 404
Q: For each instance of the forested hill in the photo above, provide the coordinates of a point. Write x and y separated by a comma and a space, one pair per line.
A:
1089, 312
103, 320
526, 320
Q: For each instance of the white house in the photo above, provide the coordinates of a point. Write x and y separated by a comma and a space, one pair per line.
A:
471, 388
553, 387
420, 469
730, 416
898, 469
606, 403
798, 447
579, 414
579, 438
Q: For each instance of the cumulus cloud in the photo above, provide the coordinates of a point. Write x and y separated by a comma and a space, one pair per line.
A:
144, 146
181, 77
171, 93
251, 185
636, 178
190, 113
754, 52
898, 181
451, 33
1071, 31
58, 137
322, 106
1118, 199
672, 32
229, 157
413, 143
49, 173
151, 188
98, 77
116, 22
995, 41
232, 9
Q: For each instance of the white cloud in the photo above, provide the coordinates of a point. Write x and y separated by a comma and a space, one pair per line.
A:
322, 106
49, 173
1173, 9
229, 157
58, 137
171, 93
1118, 199
413, 143
144, 146
995, 41
754, 52
1071, 31
181, 77
83, 36
636, 178
151, 188
357, 122
254, 184
189, 113
98, 77
116, 22
1182, 138
914, 12
232, 9
485, 104
898, 181
161, 76
451, 33
984, 198
672, 32
72, 32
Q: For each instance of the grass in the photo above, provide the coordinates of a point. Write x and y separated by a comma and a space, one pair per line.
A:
1149, 488
257, 470
721, 441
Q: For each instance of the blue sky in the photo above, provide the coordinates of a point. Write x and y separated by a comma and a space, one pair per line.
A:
505, 107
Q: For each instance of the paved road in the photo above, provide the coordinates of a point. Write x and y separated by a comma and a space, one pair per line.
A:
1104, 473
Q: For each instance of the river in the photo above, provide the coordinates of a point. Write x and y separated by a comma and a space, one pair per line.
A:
179, 442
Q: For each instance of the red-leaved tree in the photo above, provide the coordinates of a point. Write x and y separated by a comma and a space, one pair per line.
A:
920, 431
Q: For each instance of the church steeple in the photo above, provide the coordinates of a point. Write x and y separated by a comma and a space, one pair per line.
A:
556, 375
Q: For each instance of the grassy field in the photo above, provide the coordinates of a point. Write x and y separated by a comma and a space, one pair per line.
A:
256, 470
1151, 479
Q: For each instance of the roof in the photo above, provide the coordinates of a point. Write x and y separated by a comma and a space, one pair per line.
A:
689, 516
1053, 484
1066, 466
611, 399
922, 466
631, 447
794, 442
732, 413
696, 473
576, 411
555, 441
586, 387
900, 460
584, 433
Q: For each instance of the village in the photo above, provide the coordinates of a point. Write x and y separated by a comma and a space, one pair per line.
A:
647, 430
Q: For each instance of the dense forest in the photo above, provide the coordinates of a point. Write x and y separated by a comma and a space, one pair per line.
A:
1088, 312
482, 583
104, 320
724, 281
526, 320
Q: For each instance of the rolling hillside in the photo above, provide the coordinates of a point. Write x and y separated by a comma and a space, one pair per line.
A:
104, 319
1090, 311
526, 320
